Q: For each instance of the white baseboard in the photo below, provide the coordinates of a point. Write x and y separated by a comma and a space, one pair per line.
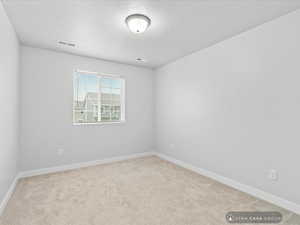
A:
64, 168
31, 173
37, 172
239, 186
8, 194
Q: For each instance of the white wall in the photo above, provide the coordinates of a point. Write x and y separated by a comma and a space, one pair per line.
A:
9, 100
234, 108
46, 117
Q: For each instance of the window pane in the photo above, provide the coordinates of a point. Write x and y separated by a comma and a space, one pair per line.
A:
116, 97
106, 96
106, 82
116, 91
116, 113
97, 99
85, 98
106, 90
116, 83
110, 100
105, 113
79, 116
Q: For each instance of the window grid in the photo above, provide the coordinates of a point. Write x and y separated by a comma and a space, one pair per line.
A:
112, 106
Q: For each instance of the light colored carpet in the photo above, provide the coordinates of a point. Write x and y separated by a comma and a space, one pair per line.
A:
143, 191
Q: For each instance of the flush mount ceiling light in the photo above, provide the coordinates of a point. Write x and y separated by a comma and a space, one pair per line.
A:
137, 23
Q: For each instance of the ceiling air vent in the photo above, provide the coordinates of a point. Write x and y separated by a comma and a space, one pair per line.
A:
66, 43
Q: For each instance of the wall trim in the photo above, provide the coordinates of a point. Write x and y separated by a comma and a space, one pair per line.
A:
31, 173
8, 194
227, 181
294, 207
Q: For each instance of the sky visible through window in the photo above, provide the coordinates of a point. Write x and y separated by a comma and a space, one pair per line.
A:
85, 82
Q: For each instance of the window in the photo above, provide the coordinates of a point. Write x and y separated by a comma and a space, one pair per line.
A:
98, 99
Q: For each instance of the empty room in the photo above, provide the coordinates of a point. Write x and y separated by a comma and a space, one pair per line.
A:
149, 112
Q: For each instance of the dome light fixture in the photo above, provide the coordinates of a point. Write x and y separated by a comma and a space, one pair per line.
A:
137, 23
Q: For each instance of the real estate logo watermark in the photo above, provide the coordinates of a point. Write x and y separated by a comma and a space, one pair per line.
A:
254, 217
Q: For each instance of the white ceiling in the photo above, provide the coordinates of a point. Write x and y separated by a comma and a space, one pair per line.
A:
178, 27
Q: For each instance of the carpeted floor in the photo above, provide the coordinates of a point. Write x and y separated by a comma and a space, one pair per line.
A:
143, 191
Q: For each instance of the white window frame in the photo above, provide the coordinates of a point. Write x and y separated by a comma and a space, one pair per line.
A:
122, 96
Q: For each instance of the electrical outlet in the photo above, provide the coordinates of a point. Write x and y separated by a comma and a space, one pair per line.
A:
273, 175
60, 151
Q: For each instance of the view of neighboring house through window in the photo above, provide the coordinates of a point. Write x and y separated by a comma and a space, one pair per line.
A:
98, 98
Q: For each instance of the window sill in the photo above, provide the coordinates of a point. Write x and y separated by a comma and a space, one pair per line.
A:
100, 123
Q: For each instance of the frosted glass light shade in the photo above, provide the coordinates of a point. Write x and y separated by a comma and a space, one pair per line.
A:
138, 23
